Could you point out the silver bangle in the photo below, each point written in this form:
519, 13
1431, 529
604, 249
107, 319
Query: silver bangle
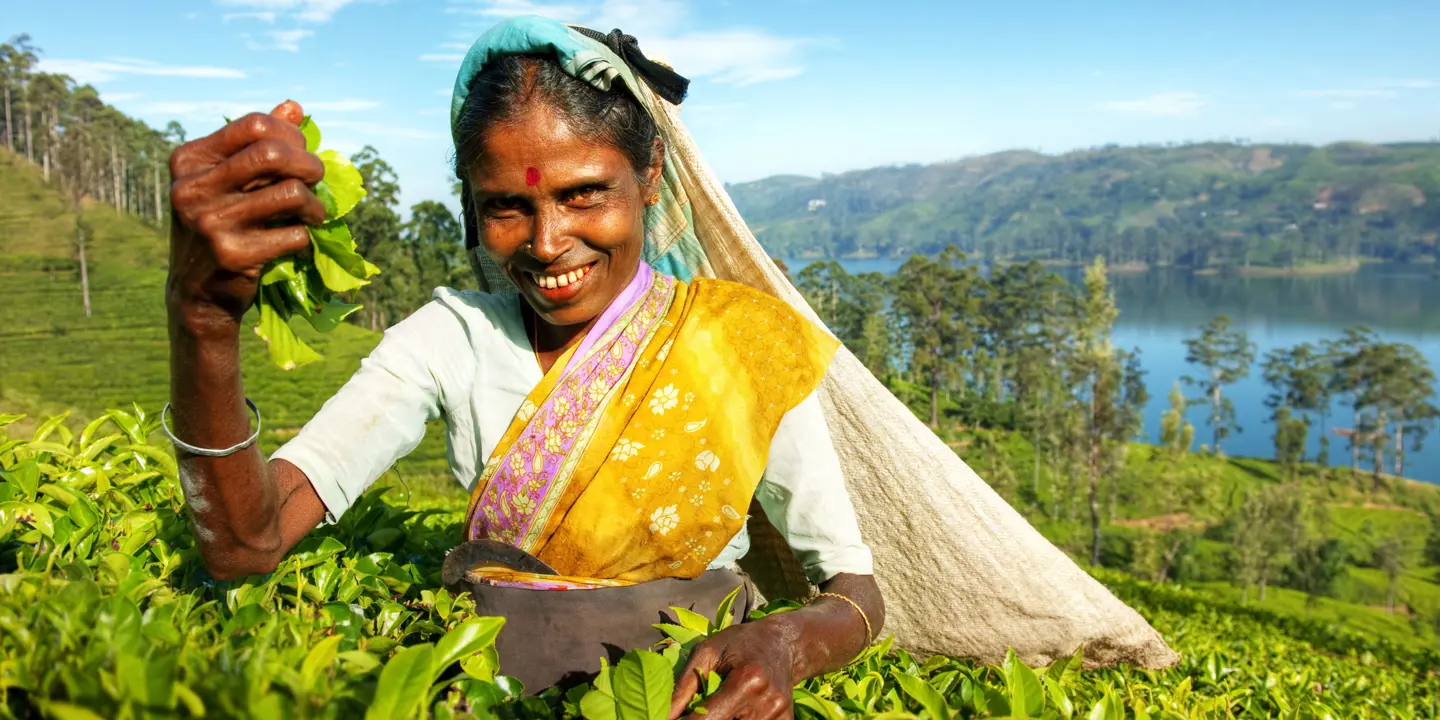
207, 452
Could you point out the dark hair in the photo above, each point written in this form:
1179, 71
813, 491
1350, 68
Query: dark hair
508, 85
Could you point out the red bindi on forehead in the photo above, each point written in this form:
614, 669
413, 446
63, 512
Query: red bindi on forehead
532, 176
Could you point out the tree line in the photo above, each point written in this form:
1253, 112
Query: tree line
1210, 206
91, 151
1020, 349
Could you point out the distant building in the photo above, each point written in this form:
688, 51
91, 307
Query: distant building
816, 203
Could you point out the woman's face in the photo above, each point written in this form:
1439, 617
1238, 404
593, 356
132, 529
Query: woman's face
561, 214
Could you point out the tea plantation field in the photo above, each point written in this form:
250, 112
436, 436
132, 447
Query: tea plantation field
106, 612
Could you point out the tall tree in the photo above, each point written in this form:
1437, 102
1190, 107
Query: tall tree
376, 226
932, 303
1100, 370
1347, 357
1225, 352
1299, 379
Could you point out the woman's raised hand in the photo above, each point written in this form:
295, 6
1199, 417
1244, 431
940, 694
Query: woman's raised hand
240, 198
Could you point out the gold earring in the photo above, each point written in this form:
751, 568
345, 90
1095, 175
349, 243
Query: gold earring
653, 199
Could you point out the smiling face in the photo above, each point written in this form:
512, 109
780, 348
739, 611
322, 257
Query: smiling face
561, 214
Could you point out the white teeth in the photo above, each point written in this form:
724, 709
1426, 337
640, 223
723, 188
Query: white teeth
551, 282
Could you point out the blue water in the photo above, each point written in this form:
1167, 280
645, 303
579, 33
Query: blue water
1159, 309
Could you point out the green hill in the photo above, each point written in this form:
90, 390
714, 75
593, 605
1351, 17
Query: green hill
54, 359
1199, 206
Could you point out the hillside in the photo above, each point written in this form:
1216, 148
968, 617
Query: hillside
54, 359
1198, 206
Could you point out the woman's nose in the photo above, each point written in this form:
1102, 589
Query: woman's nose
552, 236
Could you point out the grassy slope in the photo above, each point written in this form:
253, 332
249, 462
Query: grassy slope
53, 358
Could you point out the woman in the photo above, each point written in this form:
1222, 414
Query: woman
612, 422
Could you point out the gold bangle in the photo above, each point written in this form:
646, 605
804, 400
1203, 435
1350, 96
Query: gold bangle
869, 634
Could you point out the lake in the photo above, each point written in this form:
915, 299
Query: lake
1160, 308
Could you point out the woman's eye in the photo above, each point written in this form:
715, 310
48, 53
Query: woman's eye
585, 196
503, 207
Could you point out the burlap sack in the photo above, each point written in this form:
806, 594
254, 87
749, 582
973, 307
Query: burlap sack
962, 573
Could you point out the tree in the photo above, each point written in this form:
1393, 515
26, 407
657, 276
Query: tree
1290, 435
1317, 567
376, 226
1268, 525
1225, 353
1176, 434
934, 302
1390, 557
1107, 386
1389, 383
1349, 378
1299, 379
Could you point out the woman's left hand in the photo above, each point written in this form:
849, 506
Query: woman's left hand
755, 662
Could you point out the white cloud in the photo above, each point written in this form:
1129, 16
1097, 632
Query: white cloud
514, 8
442, 57
90, 71
1410, 84
119, 97
347, 105
286, 40
1167, 104
462, 47
383, 130
212, 110
1349, 94
734, 56
315, 11
266, 17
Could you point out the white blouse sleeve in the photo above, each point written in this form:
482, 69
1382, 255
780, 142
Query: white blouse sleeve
379, 415
804, 496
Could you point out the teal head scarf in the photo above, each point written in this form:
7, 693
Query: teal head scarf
671, 245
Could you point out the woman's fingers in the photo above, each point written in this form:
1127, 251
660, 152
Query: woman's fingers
704, 659
266, 161
289, 111
245, 253
286, 200
207, 152
745, 692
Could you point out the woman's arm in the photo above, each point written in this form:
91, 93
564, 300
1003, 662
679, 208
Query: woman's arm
240, 197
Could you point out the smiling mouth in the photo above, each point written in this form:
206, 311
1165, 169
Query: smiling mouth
557, 281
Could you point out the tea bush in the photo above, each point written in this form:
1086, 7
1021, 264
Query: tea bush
107, 612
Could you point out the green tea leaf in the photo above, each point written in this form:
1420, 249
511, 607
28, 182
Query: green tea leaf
679, 633
1108, 708
341, 268
725, 614
403, 683
343, 183
1027, 698
1059, 698
643, 684
930, 700
311, 131
692, 620
468, 638
597, 705
318, 660
286, 350
820, 706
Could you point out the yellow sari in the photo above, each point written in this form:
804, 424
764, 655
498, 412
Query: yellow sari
638, 460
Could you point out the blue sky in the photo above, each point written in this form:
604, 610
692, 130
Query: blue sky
789, 86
